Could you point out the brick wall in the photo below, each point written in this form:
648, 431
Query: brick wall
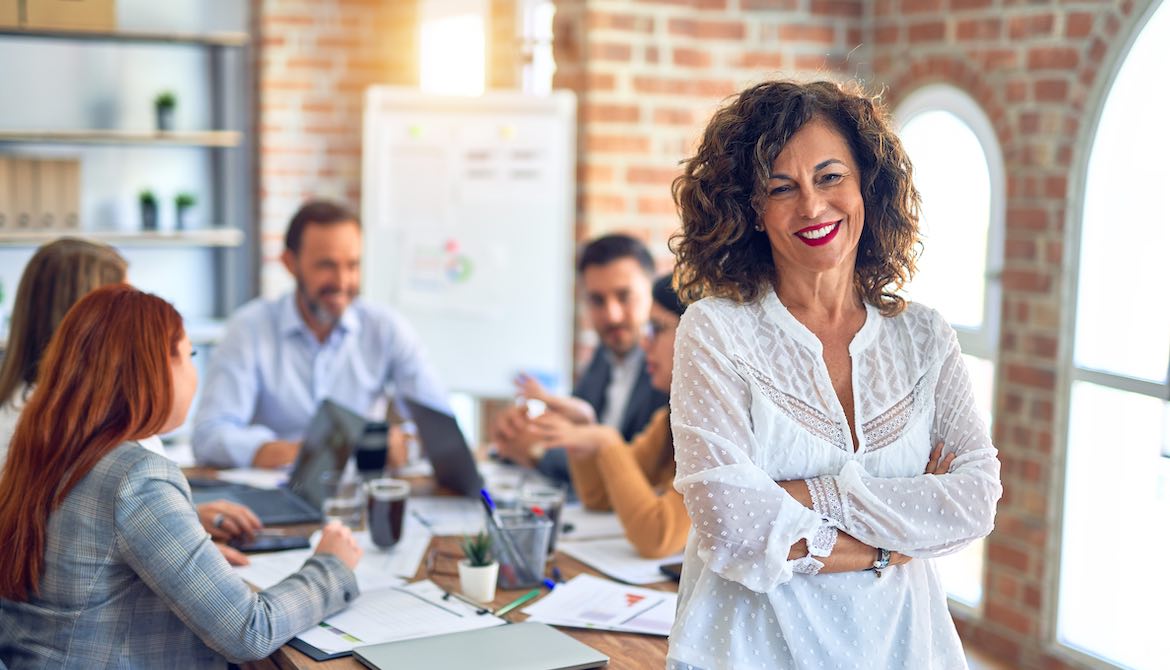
1036, 69
648, 75
316, 59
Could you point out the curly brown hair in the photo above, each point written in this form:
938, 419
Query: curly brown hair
723, 189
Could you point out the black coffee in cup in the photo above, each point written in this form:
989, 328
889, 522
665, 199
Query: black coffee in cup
386, 510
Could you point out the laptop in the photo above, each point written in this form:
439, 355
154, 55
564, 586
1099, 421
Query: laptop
329, 442
517, 646
446, 449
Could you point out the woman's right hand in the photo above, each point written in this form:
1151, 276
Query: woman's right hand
338, 540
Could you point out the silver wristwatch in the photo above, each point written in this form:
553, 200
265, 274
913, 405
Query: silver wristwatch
882, 562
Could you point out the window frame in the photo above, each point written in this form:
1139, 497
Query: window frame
1068, 372
981, 342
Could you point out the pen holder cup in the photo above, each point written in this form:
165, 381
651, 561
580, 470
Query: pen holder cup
526, 534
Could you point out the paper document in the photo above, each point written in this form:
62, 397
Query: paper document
377, 569
586, 601
577, 523
261, 478
396, 613
618, 559
447, 515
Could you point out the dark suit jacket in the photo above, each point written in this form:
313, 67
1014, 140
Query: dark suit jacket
643, 402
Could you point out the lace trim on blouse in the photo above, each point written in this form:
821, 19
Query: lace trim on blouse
799, 411
826, 498
885, 429
819, 545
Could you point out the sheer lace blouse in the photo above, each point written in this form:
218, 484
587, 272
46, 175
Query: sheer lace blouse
752, 404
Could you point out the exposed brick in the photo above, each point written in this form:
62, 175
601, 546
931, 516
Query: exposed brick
770, 5
651, 204
685, 57
606, 51
707, 29
1010, 617
674, 117
601, 203
964, 5
805, 33
759, 60
1001, 554
615, 21
1078, 25
928, 31
839, 9
608, 113
978, 29
1051, 90
1027, 375
651, 175
1030, 26
622, 144
1052, 58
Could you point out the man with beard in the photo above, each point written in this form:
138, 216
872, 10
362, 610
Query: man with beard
280, 358
615, 273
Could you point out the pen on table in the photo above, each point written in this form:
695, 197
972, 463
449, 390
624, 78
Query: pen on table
422, 520
479, 608
556, 575
518, 602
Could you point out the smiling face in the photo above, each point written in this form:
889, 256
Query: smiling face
814, 211
327, 270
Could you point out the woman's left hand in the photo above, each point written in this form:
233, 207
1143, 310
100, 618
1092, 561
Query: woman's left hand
226, 520
939, 464
234, 556
558, 431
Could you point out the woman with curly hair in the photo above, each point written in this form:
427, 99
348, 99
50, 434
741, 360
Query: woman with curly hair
808, 396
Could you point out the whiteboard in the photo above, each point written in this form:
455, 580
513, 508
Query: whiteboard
468, 211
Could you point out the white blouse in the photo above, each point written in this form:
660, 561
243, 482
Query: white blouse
752, 404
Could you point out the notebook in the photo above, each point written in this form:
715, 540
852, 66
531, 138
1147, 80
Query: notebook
519, 646
329, 441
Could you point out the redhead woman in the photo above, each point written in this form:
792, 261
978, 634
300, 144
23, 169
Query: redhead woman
57, 276
104, 562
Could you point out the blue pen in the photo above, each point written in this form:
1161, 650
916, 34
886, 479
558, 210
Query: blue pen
519, 558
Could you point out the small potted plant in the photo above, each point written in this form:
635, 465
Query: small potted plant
149, 206
164, 111
184, 202
478, 571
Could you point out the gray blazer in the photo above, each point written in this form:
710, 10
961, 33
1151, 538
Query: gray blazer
131, 580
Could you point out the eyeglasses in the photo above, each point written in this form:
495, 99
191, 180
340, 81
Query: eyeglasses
654, 329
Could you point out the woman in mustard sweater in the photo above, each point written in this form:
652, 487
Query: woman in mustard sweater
635, 479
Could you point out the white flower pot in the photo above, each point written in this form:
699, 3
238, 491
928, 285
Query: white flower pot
478, 583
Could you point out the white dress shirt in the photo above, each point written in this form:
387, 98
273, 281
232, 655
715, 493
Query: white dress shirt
269, 373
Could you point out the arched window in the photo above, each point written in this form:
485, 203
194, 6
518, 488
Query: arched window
958, 168
1116, 515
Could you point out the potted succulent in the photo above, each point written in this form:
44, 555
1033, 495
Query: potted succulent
149, 205
478, 571
164, 111
184, 202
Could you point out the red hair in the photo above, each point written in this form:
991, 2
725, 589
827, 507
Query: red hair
105, 378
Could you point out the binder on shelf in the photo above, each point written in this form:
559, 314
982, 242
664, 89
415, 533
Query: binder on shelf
23, 193
6, 212
9, 17
57, 197
71, 14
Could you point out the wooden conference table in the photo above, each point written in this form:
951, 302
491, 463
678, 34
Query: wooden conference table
625, 650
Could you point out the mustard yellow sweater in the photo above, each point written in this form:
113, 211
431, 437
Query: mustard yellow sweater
636, 481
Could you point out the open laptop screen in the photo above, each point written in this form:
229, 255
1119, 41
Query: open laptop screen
446, 448
329, 442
